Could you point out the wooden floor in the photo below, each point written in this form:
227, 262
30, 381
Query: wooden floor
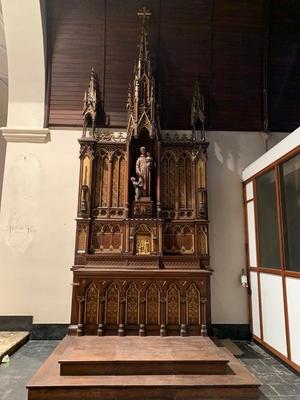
92, 367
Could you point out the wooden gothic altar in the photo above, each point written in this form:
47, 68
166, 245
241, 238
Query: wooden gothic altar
142, 257
141, 263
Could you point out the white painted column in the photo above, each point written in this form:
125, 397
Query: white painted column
26, 71
3, 73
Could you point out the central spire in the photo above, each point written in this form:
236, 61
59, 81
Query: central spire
144, 65
141, 97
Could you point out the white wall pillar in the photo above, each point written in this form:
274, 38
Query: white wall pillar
26, 70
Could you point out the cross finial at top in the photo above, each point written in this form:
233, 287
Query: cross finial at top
144, 13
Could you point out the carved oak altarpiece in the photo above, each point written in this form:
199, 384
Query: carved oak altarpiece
141, 259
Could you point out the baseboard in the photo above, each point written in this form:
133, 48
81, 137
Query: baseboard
230, 331
48, 331
16, 323
58, 331
37, 331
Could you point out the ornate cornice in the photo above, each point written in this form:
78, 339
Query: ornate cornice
25, 135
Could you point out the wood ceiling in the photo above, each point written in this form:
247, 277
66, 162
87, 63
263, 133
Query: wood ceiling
223, 43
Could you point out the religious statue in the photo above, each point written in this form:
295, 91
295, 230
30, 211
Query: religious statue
143, 246
143, 167
137, 184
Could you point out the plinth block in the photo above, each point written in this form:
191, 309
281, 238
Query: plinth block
142, 208
143, 356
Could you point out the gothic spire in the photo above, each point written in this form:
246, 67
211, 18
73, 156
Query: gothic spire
141, 98
89, 111
198, 113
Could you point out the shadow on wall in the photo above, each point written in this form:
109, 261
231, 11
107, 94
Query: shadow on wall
3, 98
2, 163
228, 154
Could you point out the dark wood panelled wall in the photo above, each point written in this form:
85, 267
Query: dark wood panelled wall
284, 65
219, 42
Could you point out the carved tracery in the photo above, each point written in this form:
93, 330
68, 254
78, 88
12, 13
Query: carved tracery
132, 305
185, 181
193, 305
168, 183
91, 304
112, 305
178, 239
153, 305
173, 305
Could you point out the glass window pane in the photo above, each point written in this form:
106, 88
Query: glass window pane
267, 220
290, 194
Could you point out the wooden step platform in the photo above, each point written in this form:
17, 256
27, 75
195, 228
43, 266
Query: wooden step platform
107, 368
142, 356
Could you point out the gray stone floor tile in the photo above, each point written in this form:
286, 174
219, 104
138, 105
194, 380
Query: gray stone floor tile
284, 398
286, 389
278, 382
269, 378
23, 364
267, 390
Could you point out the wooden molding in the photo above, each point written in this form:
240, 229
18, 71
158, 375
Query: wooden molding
26, 135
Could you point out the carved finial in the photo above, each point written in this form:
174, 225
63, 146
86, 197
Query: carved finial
90, 105
144, 13
143, 64
198, 112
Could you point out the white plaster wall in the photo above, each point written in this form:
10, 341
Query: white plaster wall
228, 154
273, 312
293, 290
255, 304
37, 228
3, 96
287, 144
3, 73
274, 138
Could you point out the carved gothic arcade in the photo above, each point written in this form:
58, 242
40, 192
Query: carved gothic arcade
141, 259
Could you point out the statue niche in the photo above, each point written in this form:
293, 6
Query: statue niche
143, 168
143, 175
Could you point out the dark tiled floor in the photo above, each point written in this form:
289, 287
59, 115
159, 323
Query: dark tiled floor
23, 364
278, 382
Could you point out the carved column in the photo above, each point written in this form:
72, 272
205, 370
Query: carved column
121, 329
109, 183
163, 330
142, 329
203, 302
176, 188
80, 300
183, 328
194, 184
100, 331
127, 238
160, 239
128, 180
158, 203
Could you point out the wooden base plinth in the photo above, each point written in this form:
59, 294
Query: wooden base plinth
151, 356
142, 208
141, 368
